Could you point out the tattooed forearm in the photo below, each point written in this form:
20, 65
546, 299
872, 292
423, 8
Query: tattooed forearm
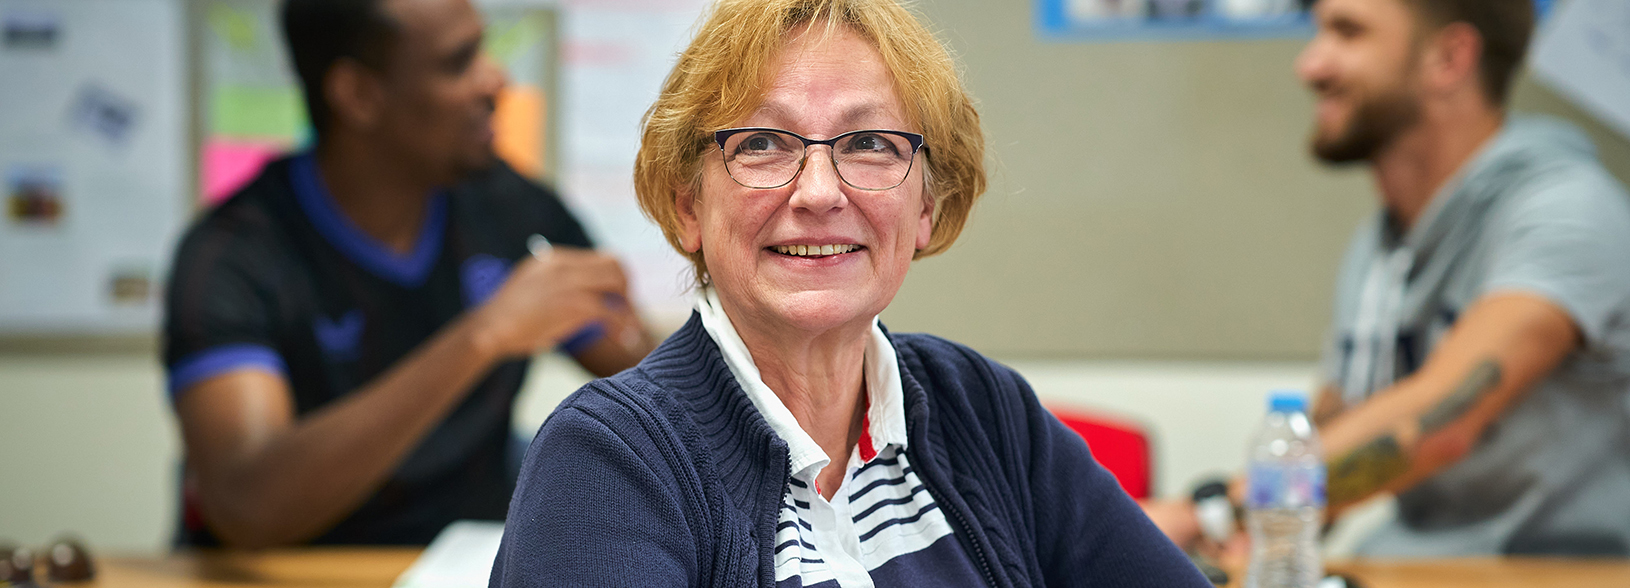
1372, 467
1366, 470
1480, 381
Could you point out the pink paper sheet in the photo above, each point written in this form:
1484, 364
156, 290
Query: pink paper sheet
228, 165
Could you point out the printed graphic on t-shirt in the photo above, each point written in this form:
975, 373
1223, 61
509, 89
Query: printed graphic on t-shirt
340, 338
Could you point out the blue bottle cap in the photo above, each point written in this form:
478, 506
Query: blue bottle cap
1287, 401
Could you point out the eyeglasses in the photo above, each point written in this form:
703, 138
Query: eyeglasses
872, 160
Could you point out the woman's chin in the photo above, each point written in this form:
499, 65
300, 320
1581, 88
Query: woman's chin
814, 312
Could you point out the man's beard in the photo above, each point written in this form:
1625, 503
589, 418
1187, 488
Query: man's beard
1373, 126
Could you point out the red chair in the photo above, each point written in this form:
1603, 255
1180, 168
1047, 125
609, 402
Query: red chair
1121, 447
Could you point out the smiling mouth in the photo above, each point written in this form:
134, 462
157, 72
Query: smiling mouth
814, 250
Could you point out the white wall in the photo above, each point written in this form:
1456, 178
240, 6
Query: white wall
1200, 414
89, 444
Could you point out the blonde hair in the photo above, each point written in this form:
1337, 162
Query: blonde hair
720, 79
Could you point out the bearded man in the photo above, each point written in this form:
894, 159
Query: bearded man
1479, 360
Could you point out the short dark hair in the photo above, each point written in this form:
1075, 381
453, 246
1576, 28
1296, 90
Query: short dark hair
1505, 25
321, 32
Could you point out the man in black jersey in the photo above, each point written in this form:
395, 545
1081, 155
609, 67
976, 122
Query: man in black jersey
346, 335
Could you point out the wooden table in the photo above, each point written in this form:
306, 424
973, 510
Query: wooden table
1481, 573
313, 567
351, 567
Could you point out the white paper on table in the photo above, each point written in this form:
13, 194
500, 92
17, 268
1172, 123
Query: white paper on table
460, 556
1584, 54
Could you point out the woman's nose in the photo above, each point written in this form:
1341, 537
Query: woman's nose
818, 187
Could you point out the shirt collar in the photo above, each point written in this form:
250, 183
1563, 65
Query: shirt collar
408, 270
1463, 190
885, 414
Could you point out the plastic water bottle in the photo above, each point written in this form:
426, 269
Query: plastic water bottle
1286, 497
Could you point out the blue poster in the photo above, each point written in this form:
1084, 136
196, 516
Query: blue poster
1114, 20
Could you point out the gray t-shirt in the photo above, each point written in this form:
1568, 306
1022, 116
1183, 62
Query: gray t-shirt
1532, 212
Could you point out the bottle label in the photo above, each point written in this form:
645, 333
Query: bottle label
1286, 486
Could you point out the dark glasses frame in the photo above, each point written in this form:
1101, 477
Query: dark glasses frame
914, 139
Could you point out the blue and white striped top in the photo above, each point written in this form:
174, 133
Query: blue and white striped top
882, 527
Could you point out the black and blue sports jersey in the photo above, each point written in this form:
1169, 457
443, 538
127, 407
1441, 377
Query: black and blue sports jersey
278, 279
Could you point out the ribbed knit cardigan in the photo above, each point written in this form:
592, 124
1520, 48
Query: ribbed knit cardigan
666, 475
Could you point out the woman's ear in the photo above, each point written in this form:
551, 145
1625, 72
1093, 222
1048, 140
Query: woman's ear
686, 207
925, 224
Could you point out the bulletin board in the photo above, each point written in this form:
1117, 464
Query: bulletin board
93, 163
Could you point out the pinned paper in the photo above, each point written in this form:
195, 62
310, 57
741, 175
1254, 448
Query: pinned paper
518, 128
235, 26
104, 114
30, 30
130, 283
34, 195
505, 41
260, 112
228, 166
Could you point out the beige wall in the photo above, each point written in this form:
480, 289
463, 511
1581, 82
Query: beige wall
1147, 199
1612, 147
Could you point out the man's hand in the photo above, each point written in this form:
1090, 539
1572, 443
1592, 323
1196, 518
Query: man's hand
547, 299
625, 343
1179, 521
1327, 405
1176, 519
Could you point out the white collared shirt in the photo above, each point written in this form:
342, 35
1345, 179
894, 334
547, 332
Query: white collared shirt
880, 513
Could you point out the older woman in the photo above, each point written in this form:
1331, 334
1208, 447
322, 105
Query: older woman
802, 153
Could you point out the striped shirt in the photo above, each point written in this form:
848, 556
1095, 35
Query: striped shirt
882, 526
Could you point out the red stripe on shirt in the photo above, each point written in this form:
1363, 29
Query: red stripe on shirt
867, 452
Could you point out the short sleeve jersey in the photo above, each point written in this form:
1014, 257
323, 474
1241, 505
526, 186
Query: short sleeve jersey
278, 279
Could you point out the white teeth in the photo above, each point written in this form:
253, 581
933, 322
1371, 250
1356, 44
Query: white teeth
813, 250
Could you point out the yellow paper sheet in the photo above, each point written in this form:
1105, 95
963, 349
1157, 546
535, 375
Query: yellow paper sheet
518, 129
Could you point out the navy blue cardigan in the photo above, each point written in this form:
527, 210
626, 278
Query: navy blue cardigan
666, 475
